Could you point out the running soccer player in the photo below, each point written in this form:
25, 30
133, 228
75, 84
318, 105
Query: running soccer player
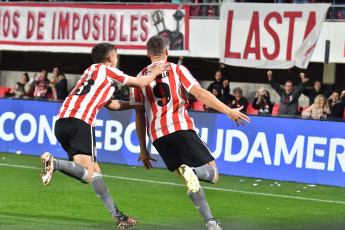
76, 122
171, 129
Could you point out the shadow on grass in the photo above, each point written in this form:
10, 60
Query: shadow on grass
10, 220
36, 221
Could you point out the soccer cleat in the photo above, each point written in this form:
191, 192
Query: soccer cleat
125, 222
190, 178
48, 168
212, 225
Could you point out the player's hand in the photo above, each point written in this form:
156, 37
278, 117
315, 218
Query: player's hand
144, 156
160, 68
237, 116
269, 74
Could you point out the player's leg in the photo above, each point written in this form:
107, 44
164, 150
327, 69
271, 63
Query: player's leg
169, 148
194, 153
207, 173
72, 169
197, 197
76, 138
102, 191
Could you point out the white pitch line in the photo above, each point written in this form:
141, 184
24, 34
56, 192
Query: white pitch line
211, 188
19, 166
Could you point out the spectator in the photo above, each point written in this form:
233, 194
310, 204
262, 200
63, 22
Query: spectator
216, 92
119, 95
18, 91
28, 89
221, 83
262, 102
205, 8
58, 84
239, 100
342, 98
225, 72
41, 87
288, 96
318, 110
22, 89
336, 106
317, 90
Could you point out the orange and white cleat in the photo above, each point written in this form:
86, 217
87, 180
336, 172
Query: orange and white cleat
125, 222
48, 168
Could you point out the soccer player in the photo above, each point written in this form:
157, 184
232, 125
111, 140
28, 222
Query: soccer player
171, 129
76, 122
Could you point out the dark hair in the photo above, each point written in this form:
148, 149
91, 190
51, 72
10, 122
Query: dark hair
27, 76
268, 94
20, 87
156, 46
336, 91
217, 87
100, 52
289, 81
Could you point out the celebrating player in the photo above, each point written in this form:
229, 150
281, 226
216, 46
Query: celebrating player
75, 126
170, 128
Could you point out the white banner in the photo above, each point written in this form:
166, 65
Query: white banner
334, 32
126, 26
275, 36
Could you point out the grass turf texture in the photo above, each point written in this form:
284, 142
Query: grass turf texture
25, 203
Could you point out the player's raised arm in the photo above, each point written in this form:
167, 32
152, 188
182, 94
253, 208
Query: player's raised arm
117, 105
210, 100
140, 82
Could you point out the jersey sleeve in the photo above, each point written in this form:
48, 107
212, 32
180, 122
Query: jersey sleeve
187, 79
136, 95
116, 76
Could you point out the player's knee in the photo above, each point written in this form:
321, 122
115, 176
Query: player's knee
215, 179
89, 177
215, 175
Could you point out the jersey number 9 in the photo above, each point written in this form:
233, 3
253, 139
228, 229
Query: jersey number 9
162, 91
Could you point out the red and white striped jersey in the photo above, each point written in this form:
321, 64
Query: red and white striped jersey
165, 101
91, 93
41, 89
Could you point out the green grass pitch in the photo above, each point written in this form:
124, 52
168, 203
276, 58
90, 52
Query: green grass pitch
68, 204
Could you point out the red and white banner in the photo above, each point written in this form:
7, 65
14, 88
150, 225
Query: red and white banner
270, 35
65, 25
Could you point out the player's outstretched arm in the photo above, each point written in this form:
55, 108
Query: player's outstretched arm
140, 82
140, 124
210, 100
116, 105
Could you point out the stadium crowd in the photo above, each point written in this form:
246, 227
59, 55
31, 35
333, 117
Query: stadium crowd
324, 102
53, 88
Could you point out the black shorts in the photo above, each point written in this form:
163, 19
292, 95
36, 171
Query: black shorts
76, 137
183, 147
